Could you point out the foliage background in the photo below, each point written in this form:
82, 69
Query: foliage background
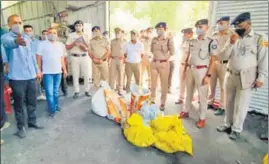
142, 14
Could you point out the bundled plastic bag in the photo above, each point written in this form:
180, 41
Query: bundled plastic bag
138, 96
116, 107
137, 133
265, 159
98, 101
149, 112
171, 135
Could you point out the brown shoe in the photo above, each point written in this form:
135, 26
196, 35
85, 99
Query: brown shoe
183, 115
179, 102
200, 124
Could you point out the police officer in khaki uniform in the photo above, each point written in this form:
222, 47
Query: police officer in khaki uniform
146, 60
202, 53
116, 67
162, 49
99, 50
220, 65
247, 69
187, 35
77, 44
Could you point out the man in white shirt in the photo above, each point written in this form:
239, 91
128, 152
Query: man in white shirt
77, 43
133, 51
50, 58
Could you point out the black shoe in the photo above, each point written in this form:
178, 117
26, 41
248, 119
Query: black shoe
75, 96
65, 94
35, 126
209, 106
87, 94
58, 109
234, 135
224, 129
21, 133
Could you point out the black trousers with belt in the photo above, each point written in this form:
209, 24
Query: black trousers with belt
3, 116
24, 91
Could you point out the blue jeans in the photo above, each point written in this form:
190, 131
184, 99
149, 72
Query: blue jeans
51, 84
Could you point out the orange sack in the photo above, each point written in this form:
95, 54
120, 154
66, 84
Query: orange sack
116, 106
138, 97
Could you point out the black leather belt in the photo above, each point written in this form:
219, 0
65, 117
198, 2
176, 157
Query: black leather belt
79, 55
223, 62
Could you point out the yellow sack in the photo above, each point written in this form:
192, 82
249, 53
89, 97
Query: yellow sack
265, 159
171, 135
137, 133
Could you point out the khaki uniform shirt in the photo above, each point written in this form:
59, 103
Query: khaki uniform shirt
117, 47
184, 49
84, 40
162, 49
248, 52
221, 41
201, 50
98, 47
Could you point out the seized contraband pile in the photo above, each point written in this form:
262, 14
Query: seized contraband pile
142, 122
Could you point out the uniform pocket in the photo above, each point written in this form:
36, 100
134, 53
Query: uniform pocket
164, 48
247, 78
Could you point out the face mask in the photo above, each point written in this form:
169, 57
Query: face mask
44, 37
78, 29
220, 27
30, 34
52, 37
118, 36
160, 33
199, 32
185, 38
240, 32
96, 34
149, 35
16, 28
133, 37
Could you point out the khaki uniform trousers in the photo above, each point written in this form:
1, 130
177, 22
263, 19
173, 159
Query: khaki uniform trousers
182, 87
130, 70
81, 65
237, 101
159, 69
217, 73
171, 73
100, 72
116, 72
145, 67
194, 79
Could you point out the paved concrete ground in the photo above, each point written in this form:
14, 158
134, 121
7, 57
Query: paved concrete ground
78, 136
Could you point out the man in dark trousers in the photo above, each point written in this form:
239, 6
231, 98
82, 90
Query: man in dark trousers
23, 73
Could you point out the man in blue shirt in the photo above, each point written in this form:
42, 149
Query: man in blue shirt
28, 30
23, 73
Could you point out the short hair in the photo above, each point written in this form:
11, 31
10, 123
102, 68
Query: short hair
52, 28
44, 31
13, 15
28, 26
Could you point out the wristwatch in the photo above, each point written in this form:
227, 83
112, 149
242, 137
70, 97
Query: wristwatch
208, 75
